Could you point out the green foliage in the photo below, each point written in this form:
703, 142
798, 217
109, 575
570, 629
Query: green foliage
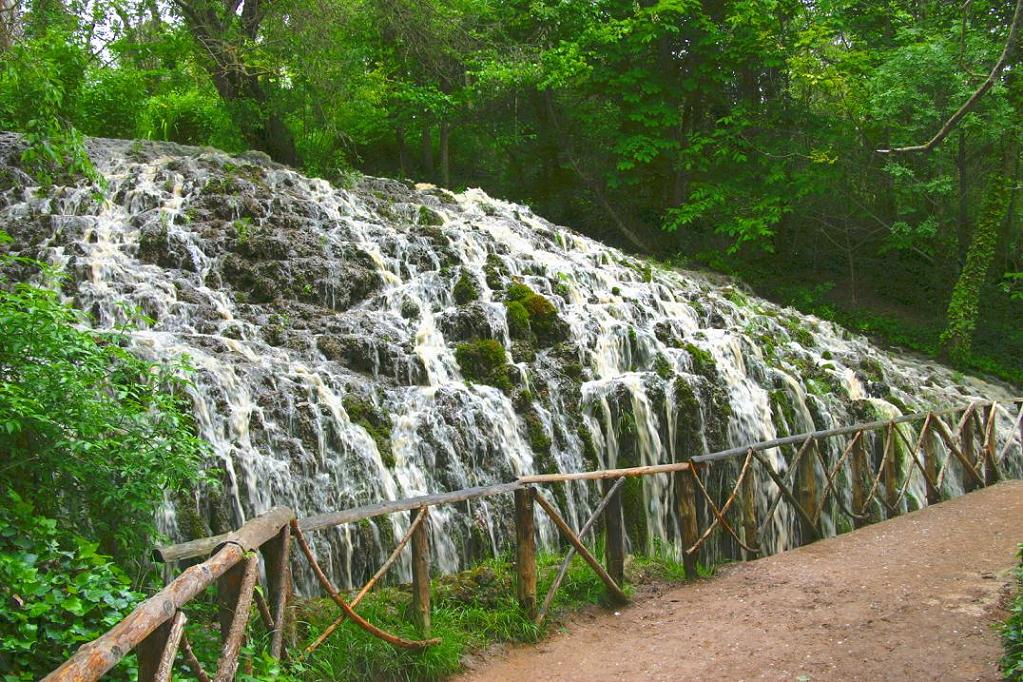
485, 362
1012, 631
56, 592
93, 434
466, 290
40, 79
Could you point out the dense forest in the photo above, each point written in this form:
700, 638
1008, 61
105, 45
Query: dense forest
786, 142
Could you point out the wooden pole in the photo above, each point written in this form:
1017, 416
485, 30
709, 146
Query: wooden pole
688, 521
858, 472
563, 569
991, 473
234, 635
276, 554
966, 446
930, 463
749, 512
573, 539
808, 494
891, 483
157, 651
329, 588
525, 551
421, 571
614, 534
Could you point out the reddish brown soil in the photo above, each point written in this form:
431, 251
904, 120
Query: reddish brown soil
915, 598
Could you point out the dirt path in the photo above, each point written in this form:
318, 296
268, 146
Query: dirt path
910, 599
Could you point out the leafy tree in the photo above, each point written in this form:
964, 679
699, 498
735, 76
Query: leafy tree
93, 434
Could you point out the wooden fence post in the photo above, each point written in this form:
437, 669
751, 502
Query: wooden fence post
991, 474
930, 464
891, 483
156, 652
749, 511
525, 555
690, 524
421, 572
276, 555
859, 482
228, 590
808, 493
969, 454
614, 534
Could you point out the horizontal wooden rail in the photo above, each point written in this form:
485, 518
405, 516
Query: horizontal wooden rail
156, 628
95, 658
841, 431
203, 546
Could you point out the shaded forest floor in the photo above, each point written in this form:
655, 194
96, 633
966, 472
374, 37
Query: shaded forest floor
915, 598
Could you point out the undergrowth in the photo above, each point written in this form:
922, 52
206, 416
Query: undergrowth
470, 611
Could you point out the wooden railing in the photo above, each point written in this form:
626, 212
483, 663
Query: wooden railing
156, 629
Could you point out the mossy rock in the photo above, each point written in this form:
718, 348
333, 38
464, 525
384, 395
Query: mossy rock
518, 320
376, 423
663, 367
703, 361
546, 327
466, 290
485, 362
427, 216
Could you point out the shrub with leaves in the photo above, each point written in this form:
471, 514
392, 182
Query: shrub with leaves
56, 592
92, 434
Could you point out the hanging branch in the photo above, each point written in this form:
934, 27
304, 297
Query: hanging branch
992, 78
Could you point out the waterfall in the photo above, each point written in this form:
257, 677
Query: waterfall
323, 324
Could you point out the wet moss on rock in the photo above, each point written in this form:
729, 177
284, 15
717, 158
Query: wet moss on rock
484, 362
518, 320
376, 423
466, 290
427, 216
546, 326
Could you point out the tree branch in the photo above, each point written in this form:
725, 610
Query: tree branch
992, 78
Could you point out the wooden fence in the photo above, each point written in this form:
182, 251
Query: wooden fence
156, 629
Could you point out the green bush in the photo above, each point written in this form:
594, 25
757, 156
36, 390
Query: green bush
56, 592
484, 362
94, 435
1012, 632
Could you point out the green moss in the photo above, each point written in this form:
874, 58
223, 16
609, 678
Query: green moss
465, 290
538, 438
616, 291
633, 337
485, 362
494, 272
737, 297
376, 423
799, 334
517, 291
663, 367
428, 216
518, 320
703, 361
590, 457
543, 319
544, 324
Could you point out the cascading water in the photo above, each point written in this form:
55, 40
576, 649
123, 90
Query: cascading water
324, 323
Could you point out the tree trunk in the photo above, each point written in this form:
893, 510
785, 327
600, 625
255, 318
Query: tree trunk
427, 153
964, 305
399, 133
445, 170
963, 223
262, 127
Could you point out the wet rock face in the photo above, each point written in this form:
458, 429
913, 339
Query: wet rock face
385, 341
